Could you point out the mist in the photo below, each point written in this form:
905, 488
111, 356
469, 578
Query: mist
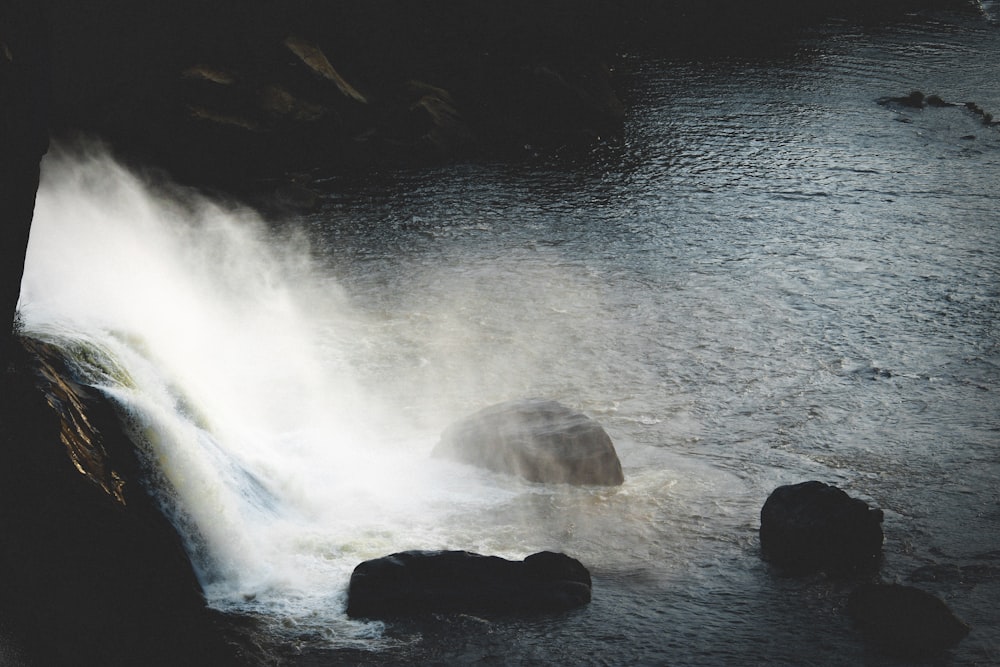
287, 430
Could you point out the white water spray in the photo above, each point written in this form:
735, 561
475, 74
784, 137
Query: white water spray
259, 393
229, 351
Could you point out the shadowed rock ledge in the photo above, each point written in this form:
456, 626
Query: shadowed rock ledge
93, 573
236, 92
223, 92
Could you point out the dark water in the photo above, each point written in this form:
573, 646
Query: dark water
771, 278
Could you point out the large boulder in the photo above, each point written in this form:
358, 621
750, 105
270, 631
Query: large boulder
421, 582
814, 526
540, 440
904, 620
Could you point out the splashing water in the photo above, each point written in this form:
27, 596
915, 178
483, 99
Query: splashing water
227, 350
774, 279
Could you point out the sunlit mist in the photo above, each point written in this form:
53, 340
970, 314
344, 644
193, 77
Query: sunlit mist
206, 327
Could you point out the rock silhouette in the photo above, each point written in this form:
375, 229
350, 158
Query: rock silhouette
412, 583
814, 526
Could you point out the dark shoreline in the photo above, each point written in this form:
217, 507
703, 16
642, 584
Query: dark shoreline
249, 97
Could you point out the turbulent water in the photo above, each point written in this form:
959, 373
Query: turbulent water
770, 278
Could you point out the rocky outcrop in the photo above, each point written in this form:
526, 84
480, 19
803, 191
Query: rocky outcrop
917, 100
814, 526
413, 583
24, 138
93, 573
904, 620
239, 91
539, 440
227, 92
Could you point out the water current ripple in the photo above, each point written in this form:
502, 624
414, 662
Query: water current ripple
770, 278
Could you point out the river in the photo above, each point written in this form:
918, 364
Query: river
769, 278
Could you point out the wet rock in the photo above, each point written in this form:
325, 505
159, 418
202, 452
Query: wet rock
984, 116
316, 60
915, 100
540, 440
814, 526
424, 120
904, 620
420, 582
92, 572
234, 93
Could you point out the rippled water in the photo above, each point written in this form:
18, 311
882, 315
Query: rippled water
772, 278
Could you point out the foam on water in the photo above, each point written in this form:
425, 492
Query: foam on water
772, 279
215, 338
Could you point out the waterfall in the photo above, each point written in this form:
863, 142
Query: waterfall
234, 361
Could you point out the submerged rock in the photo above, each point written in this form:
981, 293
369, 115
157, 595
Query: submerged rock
419, 582
814, 526
540, 440
915, 100
904, 620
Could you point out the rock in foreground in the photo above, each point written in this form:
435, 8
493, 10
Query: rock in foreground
540, 440
813, 526
420, 582
904, 620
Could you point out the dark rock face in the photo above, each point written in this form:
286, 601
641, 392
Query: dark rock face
915, 100
904, 620
24, 138
813, 526
420, 582
236, 90
92, 572
540, 440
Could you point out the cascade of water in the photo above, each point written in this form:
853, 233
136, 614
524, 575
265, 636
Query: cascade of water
229, 353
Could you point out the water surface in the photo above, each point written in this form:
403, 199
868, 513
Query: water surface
770, 278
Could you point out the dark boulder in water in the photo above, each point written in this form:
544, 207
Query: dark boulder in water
540, 440
814, 526
915, 100
904, 620
412, 583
